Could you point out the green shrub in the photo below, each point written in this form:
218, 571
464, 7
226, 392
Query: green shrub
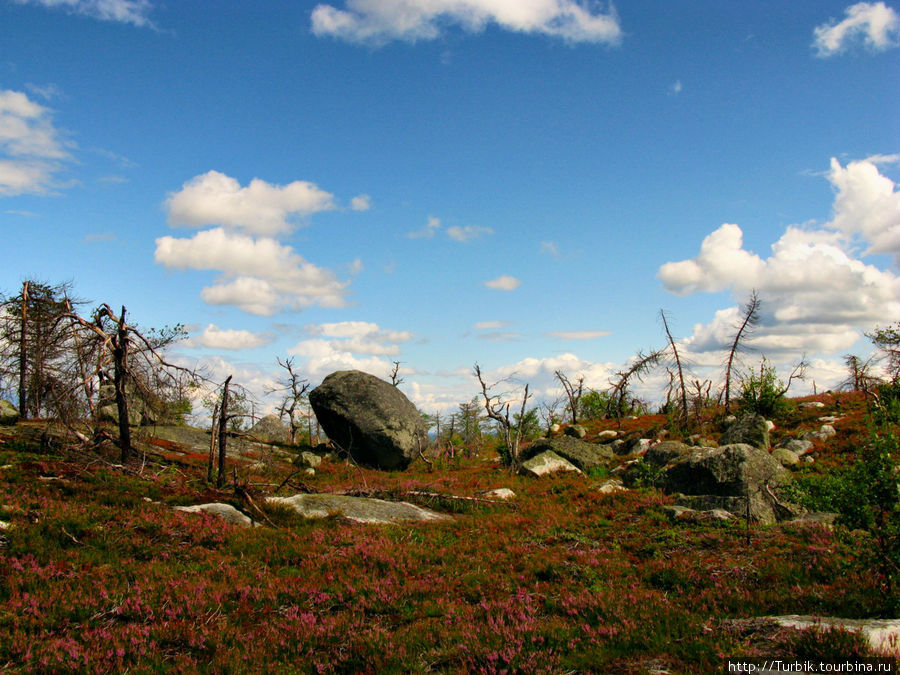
763, 392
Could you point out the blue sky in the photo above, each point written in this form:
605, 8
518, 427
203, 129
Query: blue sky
518, 184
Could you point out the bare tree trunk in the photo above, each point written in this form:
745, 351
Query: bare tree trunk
751, 314
223, 433
22, 353
684, 408
120, 373
212, 444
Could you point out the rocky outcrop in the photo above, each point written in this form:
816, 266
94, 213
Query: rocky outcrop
8, 413
360, 509
138, 412
575, 431
547, 463
270, 429
224, 511
370, 419
727, 477
666, 451
751, 429
585, 456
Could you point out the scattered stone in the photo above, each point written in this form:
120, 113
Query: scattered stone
606, 435
684, 514
620, 447
360, 509
819, 518
225, 511
883, 635
785, 457
809, 459
812, 404
751, 429
641, 446
730, 419
830, 419
270, 429
4, 525
797, 446
369, 418
500, 493
585, 456
726, 477
546, 463
554, 428
575, 431
700, 441
308, 459
826, 431
9, 415
309, 471
770, 425
611, 486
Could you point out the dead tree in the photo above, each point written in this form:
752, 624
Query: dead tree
396, 380
23, 358
293, 389
749, 319
678, 366
498, 410
618, 394
223, 432
573, 392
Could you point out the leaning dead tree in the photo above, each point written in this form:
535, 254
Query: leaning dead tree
618, 394
573, 392
680, 371
748, 319
498, 410
293, 390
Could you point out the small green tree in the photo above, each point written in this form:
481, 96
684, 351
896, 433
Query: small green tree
763, 392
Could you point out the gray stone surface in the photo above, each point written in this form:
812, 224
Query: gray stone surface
575, 431
370, 419
547, 463
883, 635
360, 509
750, 429
586, 456
270, 429
785, 457
666, 451
225, 511
8, 413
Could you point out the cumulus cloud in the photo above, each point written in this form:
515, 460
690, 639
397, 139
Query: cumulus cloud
873, 24
259, 208
31, 152
260, 276
134, 12
467, 233
817, 295
214, 337
380, 21
427, 232
349, 338
503, 283
361, 203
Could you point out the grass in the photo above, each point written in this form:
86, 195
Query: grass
100, 574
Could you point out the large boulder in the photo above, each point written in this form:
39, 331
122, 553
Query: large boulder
8, 413
666, 451
546, 463
751, 429
370, 419
585, 456
726, 477
108, 411
270, 429
224, 511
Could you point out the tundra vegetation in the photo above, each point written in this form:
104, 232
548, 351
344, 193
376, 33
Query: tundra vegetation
99, 573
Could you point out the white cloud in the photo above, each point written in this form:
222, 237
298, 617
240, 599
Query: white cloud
260, 208
578, 334
550, 248
326, 356
427, 232
467, 233
867, 204
486, 325
214, 337
503, 283
500, 336
676, 87
817, 296
356, 267
260, 276
874, 24
351, 337
380, 21
134, 12
361, 203
31, 151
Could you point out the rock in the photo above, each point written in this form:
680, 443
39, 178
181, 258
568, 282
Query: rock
750, 429
785, 457
798, 447
883, 635
546, 463
225, 511
360, 509
830, 419
107, 410
812, 404
825, 431
369, 418
620, 447
606, 435
820, 518
270, 429
770, 425
500, 493
554, 428
611, 486
575, 431
700, 441
585, 456
724, 478
666, 451
308, 459
8, 413
684, 514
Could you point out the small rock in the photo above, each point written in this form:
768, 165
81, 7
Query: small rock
309, 459
554, 428
684, 514
607, 435
4, 525
309, 471
575, 431
883, 635
825, 432
225, 511
547, 463
798, 447
611, 486
500, 493
829, 419
820, 518
812, 404
809, 459
9, 415
770, 425
360, 509
786, 457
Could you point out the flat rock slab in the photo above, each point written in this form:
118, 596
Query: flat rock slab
360, 509
225, 511
546, 463
883, 634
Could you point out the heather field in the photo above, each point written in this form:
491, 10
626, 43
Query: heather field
98, 573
